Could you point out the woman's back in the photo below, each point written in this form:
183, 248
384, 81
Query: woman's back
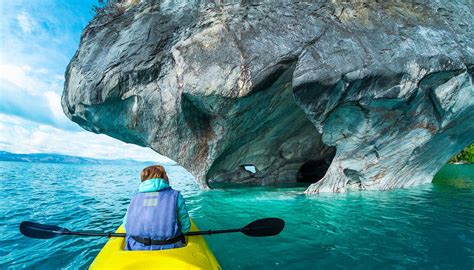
156, 217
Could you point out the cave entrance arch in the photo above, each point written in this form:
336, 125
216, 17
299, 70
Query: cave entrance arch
312, 171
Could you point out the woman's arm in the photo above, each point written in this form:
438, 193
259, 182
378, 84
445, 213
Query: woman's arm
124, 221
183, 217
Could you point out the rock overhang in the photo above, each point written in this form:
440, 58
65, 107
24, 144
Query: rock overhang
216, 87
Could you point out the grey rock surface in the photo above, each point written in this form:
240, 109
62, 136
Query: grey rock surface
383, 92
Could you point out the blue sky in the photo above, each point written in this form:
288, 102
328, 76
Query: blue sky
37, 41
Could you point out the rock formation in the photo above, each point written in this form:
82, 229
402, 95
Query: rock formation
383, 92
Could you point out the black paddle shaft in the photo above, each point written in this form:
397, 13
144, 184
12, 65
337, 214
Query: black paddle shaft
93, 233
209, 232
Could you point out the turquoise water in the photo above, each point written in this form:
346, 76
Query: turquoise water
425, 227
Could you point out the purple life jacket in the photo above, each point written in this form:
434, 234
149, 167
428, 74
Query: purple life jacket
152, 215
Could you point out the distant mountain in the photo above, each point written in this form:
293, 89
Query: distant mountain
58, 158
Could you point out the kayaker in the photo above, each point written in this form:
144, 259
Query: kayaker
157, 216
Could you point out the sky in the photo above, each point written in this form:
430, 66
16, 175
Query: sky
37, 41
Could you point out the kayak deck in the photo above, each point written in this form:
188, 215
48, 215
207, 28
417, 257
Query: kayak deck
194, 255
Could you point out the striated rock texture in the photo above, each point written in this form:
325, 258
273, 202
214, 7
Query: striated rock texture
383, 92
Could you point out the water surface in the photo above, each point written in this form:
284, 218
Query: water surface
425, 227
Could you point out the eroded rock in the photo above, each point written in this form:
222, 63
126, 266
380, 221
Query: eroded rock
216, 86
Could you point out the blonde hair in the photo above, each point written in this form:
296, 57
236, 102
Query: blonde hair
154, 171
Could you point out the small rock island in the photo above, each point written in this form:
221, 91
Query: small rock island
361, 96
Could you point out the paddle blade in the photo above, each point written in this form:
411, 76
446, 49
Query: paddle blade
264, 227
40, 231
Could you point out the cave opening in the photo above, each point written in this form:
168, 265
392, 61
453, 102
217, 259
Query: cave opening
250, 168
312, 171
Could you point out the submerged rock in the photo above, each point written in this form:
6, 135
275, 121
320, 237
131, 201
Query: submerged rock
380, 91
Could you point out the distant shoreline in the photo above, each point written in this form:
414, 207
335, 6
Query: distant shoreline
66, 159
64, 163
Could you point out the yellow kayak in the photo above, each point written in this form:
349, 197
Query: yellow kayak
194, 255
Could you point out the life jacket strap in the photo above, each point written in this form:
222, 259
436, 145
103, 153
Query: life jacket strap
149, 241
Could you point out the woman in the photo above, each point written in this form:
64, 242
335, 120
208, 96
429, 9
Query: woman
157, 216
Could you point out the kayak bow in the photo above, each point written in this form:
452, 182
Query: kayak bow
194, 255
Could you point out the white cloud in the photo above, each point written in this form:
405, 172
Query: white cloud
54, 104
22, 136
26, 22
32, 80
32, 94
15, 75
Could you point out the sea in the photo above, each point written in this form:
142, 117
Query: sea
429, 226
